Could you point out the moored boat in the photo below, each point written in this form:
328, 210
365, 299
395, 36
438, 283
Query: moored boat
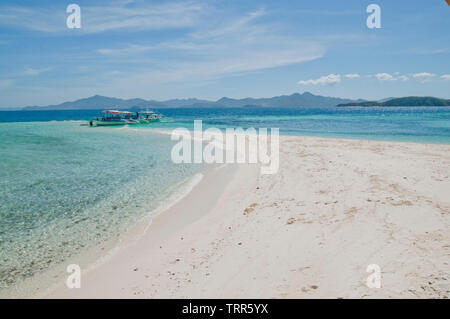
147, 117
111, 118
117, 118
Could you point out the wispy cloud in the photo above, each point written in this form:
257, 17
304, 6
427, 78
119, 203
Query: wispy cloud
114, 16
326, 80
426, 51
234, 45
233, 26
213, 43
129, 50
445, 77
37, 19
143, 17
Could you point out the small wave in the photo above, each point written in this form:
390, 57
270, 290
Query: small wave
182, 190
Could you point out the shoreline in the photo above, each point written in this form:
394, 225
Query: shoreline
158, 224
40, 284
335, 207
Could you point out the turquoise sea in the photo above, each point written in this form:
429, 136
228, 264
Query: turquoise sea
65, 188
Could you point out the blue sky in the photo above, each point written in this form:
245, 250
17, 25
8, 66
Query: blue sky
210, 49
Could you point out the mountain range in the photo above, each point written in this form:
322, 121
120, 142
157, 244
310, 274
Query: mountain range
306, 99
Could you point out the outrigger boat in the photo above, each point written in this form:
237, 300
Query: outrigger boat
110, 118
115, 118
147, 117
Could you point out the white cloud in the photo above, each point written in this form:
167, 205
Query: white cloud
445, 76
391, 77
352, 76
330, 79
384, 77
423, 77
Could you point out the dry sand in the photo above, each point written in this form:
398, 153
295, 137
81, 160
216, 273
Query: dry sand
309, 231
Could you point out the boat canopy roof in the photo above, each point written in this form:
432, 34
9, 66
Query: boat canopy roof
116, 112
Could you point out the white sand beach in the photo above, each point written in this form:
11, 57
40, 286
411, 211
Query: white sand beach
334, 207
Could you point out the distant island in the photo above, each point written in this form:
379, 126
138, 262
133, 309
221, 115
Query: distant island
306, 99
403, 101
295, 100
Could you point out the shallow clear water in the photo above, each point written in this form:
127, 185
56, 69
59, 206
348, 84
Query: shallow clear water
66, 187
